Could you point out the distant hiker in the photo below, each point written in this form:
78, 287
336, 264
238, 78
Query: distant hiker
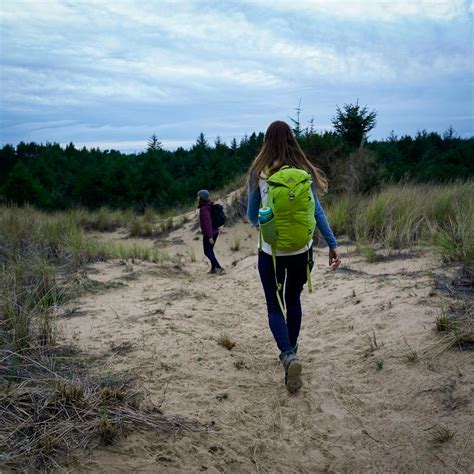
283, 202
210, 228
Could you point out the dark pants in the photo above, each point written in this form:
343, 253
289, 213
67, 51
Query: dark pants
291, 272
209, 251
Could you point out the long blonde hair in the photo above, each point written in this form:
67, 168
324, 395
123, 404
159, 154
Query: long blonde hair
281, 148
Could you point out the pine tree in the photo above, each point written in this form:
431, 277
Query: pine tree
354, 122
22, 188
296, 122
201, 142
154, 143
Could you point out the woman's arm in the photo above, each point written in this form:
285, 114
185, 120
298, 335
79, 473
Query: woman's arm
322, 222
253, 201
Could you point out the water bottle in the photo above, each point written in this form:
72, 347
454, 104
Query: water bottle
268, 230
265, 214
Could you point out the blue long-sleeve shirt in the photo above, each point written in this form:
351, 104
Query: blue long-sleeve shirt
253, 205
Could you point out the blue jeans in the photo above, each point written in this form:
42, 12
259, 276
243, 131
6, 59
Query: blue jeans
209, 251
291, 274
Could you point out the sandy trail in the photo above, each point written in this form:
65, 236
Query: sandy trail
162, 325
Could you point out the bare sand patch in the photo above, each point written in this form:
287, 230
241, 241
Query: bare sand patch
364, 407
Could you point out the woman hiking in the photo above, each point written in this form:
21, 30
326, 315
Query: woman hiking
282, 185
209, 233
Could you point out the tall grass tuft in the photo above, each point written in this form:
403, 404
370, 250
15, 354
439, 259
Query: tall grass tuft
140, 227
403, 215
454, 237
102, 220
28, 291
341, 214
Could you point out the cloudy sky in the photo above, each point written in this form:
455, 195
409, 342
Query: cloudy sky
111, 73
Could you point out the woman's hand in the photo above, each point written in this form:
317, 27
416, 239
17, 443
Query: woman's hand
211, 241
334, 258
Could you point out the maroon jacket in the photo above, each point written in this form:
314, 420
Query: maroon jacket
205, 220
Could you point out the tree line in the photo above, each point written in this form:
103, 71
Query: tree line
53, 177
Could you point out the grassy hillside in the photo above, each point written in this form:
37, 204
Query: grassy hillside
404, 215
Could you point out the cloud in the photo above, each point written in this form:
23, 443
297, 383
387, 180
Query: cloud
375, 10
223, 65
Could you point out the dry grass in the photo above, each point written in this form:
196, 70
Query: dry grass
456, 320
404, 215
456, 324
442, 321
373, 343
411, 356
236, 243
226, 342
60, 237
140, 228
49, 407
48, 416
441, 434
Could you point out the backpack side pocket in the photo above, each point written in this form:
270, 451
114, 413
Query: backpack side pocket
269, 231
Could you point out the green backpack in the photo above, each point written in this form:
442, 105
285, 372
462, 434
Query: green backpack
293, 224
291, 199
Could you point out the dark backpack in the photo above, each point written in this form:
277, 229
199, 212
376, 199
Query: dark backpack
217, 215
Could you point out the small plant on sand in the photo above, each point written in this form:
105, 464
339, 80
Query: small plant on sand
68, 391
235, 247
442, 321
226, 342
369, 253
239, 364
373, 343
442, 434
411, 356
107, 430
379, 364
200, 295
178, 259
121, 348
354, 297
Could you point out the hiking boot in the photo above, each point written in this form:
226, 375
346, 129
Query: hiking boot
292, 367
219, 271
212, 271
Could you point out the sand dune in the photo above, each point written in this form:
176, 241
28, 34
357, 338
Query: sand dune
364, 406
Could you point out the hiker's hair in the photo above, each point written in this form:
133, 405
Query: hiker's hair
281, 148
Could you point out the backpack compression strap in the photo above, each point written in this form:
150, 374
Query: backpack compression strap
279, 286
308, 274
